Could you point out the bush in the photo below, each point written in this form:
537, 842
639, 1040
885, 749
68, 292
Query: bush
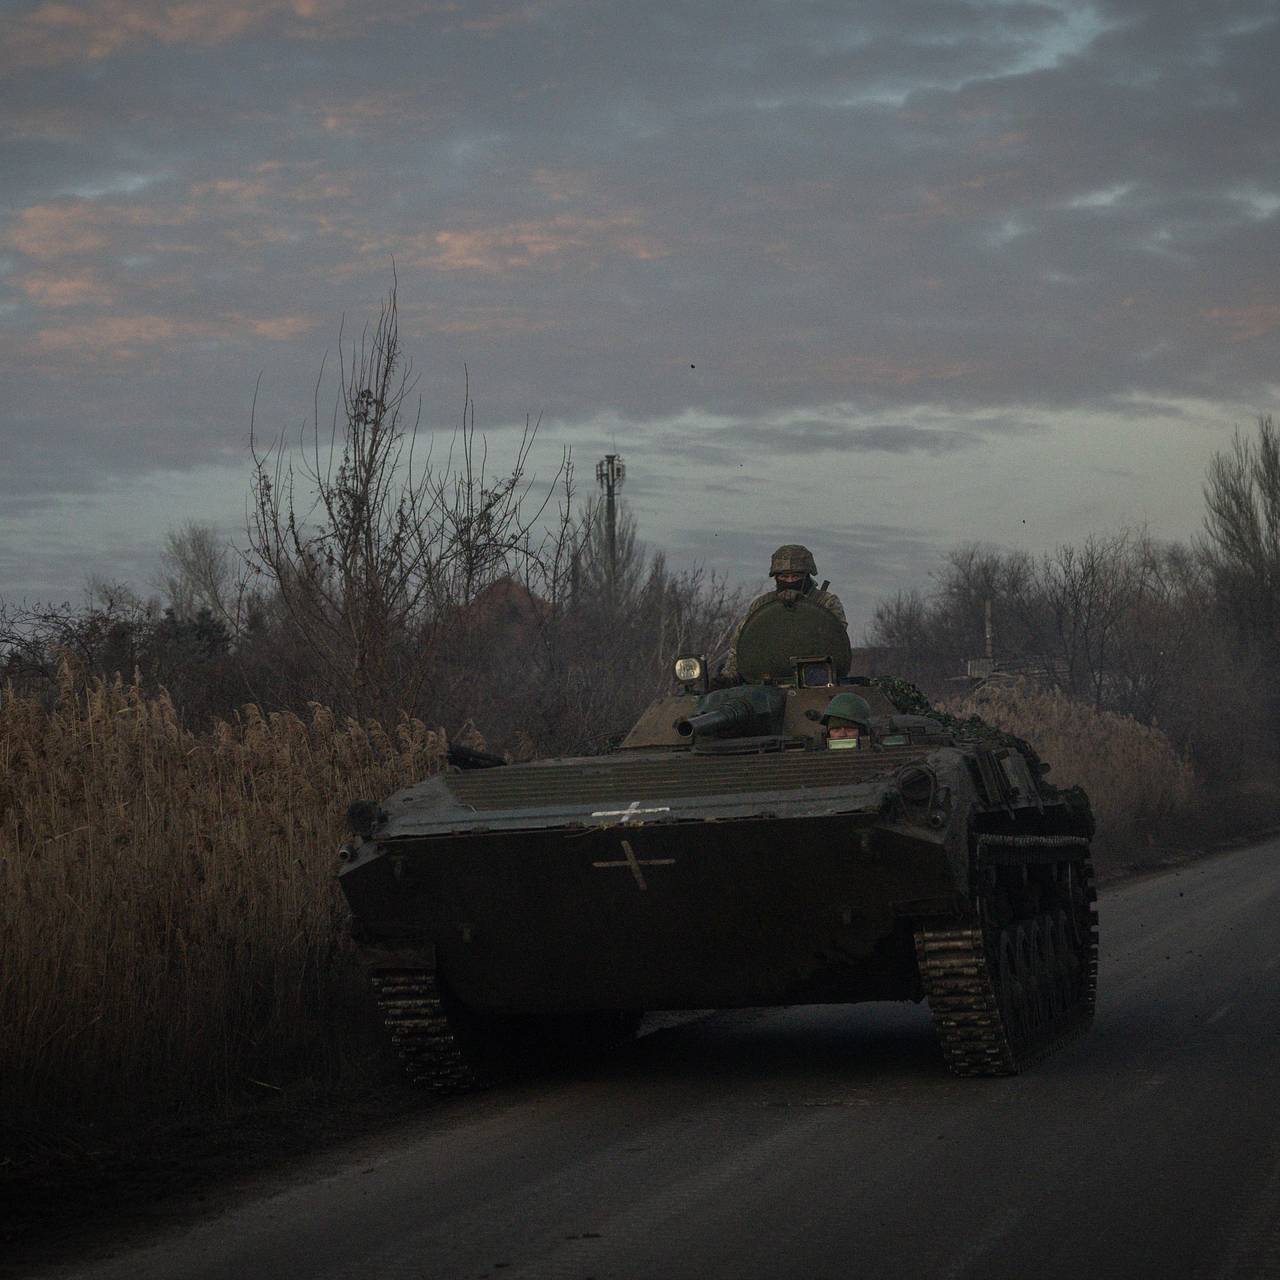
1132, 773
170, 924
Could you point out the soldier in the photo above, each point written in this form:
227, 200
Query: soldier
792, 569
848, 721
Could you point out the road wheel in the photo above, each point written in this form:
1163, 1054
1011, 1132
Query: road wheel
1009, 990
1038, 979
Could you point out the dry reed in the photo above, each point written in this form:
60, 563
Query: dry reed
171, 927
1132, 773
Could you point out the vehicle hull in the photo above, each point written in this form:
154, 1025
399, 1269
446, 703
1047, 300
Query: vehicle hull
502, 910
663, 915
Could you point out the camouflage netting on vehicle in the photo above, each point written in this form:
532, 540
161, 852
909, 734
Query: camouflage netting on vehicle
909, 700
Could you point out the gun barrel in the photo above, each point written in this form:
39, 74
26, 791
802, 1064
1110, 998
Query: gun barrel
734, 715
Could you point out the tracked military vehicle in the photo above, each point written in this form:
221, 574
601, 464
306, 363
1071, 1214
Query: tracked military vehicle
732, 853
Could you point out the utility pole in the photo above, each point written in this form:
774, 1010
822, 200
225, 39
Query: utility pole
610, 473
979, 669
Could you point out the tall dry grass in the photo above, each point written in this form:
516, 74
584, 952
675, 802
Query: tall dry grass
1131, 771
170, 926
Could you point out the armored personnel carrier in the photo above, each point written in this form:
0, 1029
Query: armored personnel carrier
733, 851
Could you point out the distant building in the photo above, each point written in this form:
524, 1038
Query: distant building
505, 605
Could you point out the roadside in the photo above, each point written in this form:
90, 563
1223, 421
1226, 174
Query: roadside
1218, 823
65, 1194
63, 1200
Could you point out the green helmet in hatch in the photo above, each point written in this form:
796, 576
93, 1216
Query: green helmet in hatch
848, 720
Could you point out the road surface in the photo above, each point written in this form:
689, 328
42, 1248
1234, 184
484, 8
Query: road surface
831, 1142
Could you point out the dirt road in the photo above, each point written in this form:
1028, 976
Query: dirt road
831, 1142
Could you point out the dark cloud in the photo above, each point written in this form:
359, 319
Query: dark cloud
949, 219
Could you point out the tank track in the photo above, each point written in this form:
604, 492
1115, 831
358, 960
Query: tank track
414, 1012
1004, 995
448, 1048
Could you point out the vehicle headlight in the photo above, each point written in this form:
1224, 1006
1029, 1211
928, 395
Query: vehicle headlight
688, 670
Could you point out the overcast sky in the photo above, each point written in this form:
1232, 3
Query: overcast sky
881, 276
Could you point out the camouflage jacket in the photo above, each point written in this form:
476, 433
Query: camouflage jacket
827, 599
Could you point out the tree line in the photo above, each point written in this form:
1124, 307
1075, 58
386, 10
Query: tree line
387, 572
1184, 636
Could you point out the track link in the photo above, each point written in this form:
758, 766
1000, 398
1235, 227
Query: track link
1004, 997
414, 1013
449, 1048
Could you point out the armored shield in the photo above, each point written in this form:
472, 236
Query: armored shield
786, 628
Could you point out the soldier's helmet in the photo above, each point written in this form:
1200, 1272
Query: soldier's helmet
792, 558
848, 707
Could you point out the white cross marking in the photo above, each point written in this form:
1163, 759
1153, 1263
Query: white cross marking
636, 863
630, 811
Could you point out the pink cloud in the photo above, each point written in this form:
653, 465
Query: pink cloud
280, 328
123, 337
275, 181
529, 243
482, 319
119, 335
56, 289
1243, 323
54, 230
232, 190
271, 204
353, 119
75, 227
489, 23
91, 30
643, 248
518, 245
409, 114
561, 185
486, 17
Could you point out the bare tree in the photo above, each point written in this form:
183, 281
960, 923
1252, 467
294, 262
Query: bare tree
375, 552
115, 632
931, 636
1242, 532
906, 626
200, 569
1159, 640
576, 678
1087, 591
